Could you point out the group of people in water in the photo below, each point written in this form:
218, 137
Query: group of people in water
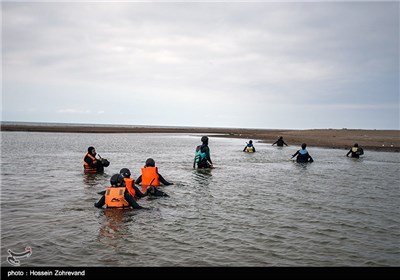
303, 155
124, 191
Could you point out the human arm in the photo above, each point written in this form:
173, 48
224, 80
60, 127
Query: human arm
310, 159
132, 202
138, 193
101, 202
92, 163
348, 153
155, 192
295, 154
138, 180
163, 181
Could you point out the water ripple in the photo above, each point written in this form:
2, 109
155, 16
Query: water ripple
256, 209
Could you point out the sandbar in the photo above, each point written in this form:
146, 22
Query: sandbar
378, 140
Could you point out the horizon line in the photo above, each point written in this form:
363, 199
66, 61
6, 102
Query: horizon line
172, 126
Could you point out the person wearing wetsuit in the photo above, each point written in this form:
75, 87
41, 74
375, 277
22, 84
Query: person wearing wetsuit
303, 155
202, 155
150, 172
134, 191
280, 142
93, 165
130, 184
355, 151
117, 195
249, 147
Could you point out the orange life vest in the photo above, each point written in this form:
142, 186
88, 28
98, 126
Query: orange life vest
129, 183
86, 167
115, 197
148, 174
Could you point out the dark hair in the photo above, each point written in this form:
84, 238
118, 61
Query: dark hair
150, 162
90, 149
303, 146
204, 139
355, 145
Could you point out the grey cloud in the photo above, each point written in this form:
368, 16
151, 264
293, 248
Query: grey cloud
272, 53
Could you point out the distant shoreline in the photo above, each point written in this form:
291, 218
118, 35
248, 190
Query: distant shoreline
378, 140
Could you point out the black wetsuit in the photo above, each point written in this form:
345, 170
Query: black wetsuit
303, 156
138, 193
357, 153
205, 162
279, 143
153, 190
132, 202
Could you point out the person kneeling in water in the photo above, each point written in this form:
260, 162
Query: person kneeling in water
134, 191
117, 195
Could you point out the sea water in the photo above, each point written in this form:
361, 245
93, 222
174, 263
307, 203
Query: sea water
253, 209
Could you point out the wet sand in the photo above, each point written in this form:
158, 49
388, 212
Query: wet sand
378, 140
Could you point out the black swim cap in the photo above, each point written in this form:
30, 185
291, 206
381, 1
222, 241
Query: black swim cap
251, 141
150, 162
125, 172
90, 149
204, 139
117, 180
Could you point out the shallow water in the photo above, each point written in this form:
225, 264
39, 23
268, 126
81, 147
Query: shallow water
258, 209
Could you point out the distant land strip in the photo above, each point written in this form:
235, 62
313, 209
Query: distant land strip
378, 140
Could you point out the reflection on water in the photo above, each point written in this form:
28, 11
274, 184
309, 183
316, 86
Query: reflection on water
94, 179
115, 225
253, 209
202, 176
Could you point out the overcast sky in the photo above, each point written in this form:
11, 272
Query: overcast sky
251, 65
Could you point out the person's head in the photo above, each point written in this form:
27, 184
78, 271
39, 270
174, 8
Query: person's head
355, 145
91, 150
251, 142
303, 146
117, 180
280, 137
125, 172
204, 139
150, 162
